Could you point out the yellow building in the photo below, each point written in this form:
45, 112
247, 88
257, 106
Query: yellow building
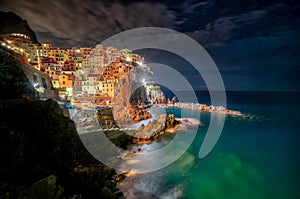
57, 54
55, 83
54, 75
108, 86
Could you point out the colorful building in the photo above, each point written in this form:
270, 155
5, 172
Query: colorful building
90, 85
108, 87
66, 82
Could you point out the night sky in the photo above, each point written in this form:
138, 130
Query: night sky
255, 43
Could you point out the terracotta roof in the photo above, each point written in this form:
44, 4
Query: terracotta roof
93, 75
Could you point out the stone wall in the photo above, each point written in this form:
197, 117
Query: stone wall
39, 79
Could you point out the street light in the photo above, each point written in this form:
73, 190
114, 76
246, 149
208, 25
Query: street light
139, 63
128, 59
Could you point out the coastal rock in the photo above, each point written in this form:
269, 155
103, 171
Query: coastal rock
154, 128
137, 115
171, 122
106, 119
130, 114
131, 92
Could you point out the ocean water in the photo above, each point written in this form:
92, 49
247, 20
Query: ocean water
254, 158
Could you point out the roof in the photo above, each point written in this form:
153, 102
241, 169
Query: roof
94, 75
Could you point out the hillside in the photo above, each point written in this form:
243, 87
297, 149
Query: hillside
41, 153
12, 23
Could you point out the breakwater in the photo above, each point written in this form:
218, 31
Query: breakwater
204, 107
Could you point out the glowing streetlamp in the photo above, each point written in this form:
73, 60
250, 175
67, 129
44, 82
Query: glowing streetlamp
139, 63
128, 59
144, 81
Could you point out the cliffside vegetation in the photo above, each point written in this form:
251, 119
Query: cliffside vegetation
13, 82
41, 153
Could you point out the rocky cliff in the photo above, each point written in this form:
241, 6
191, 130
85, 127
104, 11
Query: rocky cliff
131, 92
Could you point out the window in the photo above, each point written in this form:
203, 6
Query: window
44, 83
64, 82
35, 78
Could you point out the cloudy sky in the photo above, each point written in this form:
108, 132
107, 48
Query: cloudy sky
255, 44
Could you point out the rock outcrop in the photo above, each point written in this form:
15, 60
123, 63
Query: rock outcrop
155, 128
106, 119
171, 122
131, 92
137, 114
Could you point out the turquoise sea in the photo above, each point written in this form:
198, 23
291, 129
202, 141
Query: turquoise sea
254, 158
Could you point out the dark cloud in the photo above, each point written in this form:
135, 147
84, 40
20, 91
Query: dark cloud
209, 22
259, 62
87, 21
251, 41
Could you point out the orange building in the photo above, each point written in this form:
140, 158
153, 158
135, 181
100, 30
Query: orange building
117, 69
66, 81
